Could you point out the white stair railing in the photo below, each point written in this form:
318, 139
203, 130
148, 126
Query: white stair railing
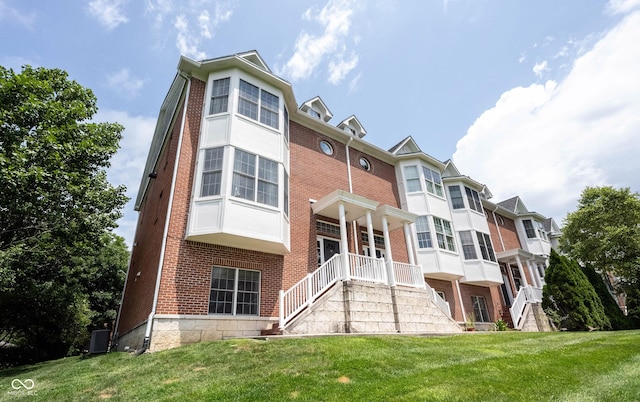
303, 293
526, 295
367, 269
440, 302
408, 275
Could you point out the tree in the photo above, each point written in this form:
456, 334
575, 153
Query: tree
612, 310
604, 233
569, 295
55, 206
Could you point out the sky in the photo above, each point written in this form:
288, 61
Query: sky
537, 99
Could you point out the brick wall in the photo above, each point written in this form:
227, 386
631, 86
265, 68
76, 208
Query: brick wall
508, 232
145, 255
313, 175
493, 305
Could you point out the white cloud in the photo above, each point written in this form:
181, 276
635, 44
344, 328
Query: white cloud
187, 43
108, 12
548, 142
12, 14
195, 22
311, 50
622, 6
540, 68
128, 164
340, 68
123, 83
16, 62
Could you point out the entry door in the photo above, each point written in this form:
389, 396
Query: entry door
507, 294
327, 248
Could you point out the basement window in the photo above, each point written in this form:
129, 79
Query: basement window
234, 291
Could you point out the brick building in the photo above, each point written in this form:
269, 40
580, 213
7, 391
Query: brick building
257, 214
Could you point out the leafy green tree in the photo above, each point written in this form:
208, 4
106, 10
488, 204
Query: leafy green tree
612, 310
569, 295
604, 233
55, 206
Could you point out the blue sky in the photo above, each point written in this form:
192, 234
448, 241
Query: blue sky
537, 99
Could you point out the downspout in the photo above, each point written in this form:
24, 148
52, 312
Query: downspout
147, 332
498, 227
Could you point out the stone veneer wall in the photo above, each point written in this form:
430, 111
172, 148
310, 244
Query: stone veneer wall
360, 307
535, 320
132, 339
173, 330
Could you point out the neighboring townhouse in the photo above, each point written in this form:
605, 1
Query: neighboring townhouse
522, 248
259, 216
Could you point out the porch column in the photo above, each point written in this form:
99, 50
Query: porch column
344, 245
533, 273
524, 277
372, 239
407, 239
387, 247
464, 314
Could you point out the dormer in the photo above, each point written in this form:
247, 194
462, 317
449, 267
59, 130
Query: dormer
352, 126
315, 107
405, 147
254, 58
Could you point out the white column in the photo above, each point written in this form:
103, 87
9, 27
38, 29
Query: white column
387, 249
464, 314
524, 277
408, 239
344, 245
533, 275
372, 239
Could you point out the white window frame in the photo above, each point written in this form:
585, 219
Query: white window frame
422, 228
257, 176
473, 198
412, 178
250, 104
444, 234
529, 231
457, 200
220, 89
468, 245
480, 309
433, 181
235, 292
486, 248
208, 170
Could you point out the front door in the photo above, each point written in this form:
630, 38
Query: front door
327, 248
507, 294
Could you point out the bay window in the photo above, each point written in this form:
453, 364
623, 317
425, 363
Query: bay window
258, 104
212, 172
424, 234
219, 96
260, 186
444, 234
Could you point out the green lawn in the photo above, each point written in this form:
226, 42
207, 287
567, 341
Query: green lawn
507, 366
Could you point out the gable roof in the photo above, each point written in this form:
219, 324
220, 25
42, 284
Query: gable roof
318, 104
406, 146
353, 123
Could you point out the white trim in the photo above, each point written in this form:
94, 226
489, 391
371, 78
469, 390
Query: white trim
147, 333
214, 317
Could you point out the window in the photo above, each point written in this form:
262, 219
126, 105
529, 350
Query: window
378, 240
455, 194
541, 232
444, 234
234, 291
424, 234
286, 124
413, 178
212, 172
364, 163
269, 109
245, 184
314, 113
286, 194
433, 181
219, 96
528, 229
486, 249
328, 228
474, 199
251, 96
480, 309
326, 147
468, 247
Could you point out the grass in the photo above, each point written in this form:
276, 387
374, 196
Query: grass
512, 366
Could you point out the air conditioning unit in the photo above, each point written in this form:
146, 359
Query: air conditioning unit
99, 341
